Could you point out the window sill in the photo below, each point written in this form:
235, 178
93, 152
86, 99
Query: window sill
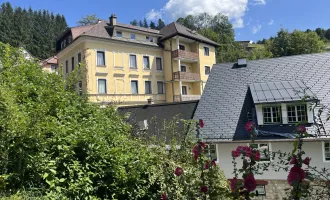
146, 70
101, 66
118, 67
160, 70
133, 69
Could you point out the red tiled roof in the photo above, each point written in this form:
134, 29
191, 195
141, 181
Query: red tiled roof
77, 31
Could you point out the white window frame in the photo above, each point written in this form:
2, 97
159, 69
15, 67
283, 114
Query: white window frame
323, 151
129, 61
134, 36
103, 57
163, 85
207, 150
106, 86
161, 61
121, 34
137, 86
270, 150
272, 116
150, 87
205, 70
296, 112
148, 57
205, 51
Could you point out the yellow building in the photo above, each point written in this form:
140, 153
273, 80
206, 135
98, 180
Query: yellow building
129, 64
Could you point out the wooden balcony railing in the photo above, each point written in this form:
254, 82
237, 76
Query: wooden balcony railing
185, 55
188, 76
178, 98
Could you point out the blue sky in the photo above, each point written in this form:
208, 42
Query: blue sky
253, 19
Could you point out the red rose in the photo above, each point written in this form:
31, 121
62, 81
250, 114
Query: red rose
214, 162
250, 183
178, 171
257, 155
301, 129
293, 161
207, 165
307, 160
204, 189
203, 144
239, 148
235, 153
249, 126
201, 123
248, 152
296, 175
164, 197
233, 183
198, 149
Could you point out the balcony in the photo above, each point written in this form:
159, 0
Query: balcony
185, 55
187, 76
126, 98
178, 98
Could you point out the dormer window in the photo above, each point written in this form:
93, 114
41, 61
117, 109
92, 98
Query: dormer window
119, 34
272, 114
297, 113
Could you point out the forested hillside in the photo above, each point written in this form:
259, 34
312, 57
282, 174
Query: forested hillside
35, 30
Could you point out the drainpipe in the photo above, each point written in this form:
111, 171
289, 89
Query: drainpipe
172, 81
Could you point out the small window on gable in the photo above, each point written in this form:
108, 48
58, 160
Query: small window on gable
149, 39
264, 150
207, 70
182, 47
206, 51
272, 114
183, 68
133, 36
119, 34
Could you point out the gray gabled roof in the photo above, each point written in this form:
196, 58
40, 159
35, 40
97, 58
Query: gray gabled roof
223, 105
280, 91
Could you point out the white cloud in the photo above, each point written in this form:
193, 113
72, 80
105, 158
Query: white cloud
256, 29
153, 14
271, 22
233, 9
258, 2
249, 22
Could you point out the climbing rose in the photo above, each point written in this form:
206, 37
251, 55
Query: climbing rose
249, 126
201, 123
164, 197
214, 162
250, 183
198, 149
203, 144
293, 161
239, 148
296, 175
301, 129
233, 183
178, 171
307, 160
204, 189
257, 155
207, 165
248, 152
235, 153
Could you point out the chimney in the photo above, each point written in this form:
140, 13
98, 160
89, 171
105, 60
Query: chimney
150, 101
113, 20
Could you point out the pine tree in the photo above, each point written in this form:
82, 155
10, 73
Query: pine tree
152, 25
145, 23
160, 24
140, 23
134, 22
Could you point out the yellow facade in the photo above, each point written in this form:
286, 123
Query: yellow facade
119, 75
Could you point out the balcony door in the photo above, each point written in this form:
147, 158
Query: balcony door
184, 90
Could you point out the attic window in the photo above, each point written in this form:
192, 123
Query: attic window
119, 34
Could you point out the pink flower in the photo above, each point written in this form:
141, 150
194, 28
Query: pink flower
178, 171
239, 148
250, 126
307, 160
301, 129
207, 165
203, 144
164, 197
233, 183
201, 123
235, 153
257, 155
204, 189
250, 183
293, 161
248, 153
198, 149
296, 175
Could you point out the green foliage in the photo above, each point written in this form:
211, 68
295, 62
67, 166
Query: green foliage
88, 20
152, 25
36, 31
145, 23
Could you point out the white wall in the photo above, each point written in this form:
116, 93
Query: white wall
312, 149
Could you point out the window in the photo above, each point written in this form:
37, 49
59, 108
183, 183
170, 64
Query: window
264, 151
66, 66
326, 151
297, 113
183, 68
207, 70
206, 51
132, 61
102, 86
210, 151
182, 47
149, 39
260, 190
80, 88
147, 87
133, 36
146, 64
159, 64
70, 39
100, 58
160, 87
119, 34
64, 43
79, 59
72, 63
52, 68
134, 87
272, 114
184, 90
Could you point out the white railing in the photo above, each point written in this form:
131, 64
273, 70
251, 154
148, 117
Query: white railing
122, 98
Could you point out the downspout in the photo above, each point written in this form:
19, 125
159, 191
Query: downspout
172, 81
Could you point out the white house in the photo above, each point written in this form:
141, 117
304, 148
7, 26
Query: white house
268, 92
